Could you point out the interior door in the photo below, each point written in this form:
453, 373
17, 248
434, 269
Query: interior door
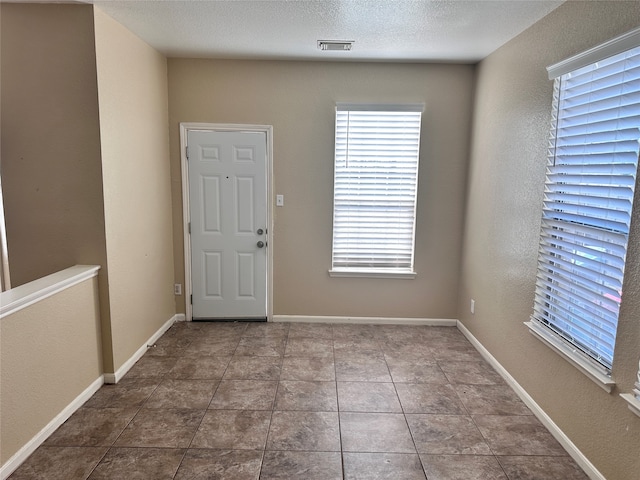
228, 214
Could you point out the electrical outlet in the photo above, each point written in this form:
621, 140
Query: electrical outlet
177, 289
473, 306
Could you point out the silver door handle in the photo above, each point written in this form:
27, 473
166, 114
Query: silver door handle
260, 244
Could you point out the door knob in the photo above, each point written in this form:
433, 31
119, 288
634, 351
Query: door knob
260, 231
260, 244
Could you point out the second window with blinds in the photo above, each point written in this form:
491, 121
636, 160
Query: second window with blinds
377, 150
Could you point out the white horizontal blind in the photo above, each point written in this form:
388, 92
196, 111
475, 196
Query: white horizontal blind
591, 175
375, 188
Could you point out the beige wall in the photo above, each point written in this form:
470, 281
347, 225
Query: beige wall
132, 92
49, 354
298, 99
50, 140
508, 157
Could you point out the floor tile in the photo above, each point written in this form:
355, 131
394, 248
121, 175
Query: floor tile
346, 347
199, 464
382, 466
375, 432
244, 394
491, 400
429, 398
310, 330
362, 368
170, 345
458, 352
473, 373
308, 368
354, 332
216, 347
306, 431
462, 467
129, 392
92, 427
161, 428
310, 396
309, 347
261, 346
368, 397
517, 435
414, 371
171, 393
447, 434
541, 468
199, 368
253, 368
267, 329
301, 465
151, 366
233, 430
131, 463
60, 463
410, 350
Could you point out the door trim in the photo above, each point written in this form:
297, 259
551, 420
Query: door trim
185, 127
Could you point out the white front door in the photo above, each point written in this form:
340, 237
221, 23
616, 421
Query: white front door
228, 214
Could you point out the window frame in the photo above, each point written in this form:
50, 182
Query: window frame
587, 365
340, 178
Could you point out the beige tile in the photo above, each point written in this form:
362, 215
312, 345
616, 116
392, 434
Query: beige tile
368, 397
517, 435
304, 431
362, 368
201, 464
172, 393
161, 428
156, 463
447, 434
59, 463
233, 430
310, 396
462, 467
429, 398
375, 432
382, 466
244, 394
541, 468
301, 465
308, 368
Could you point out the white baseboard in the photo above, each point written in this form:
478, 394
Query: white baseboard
21, 455
126, 366
584, 463
434, 322
180, 317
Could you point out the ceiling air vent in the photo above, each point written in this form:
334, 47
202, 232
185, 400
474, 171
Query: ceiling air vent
335, 45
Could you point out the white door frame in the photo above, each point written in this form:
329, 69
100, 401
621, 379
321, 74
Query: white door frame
185, 127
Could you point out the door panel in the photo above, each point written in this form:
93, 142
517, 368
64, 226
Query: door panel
227, 198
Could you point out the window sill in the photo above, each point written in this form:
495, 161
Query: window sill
574, 357
634, 403
405, 275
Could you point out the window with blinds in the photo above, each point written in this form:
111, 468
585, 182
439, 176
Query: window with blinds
375, 188
588, 198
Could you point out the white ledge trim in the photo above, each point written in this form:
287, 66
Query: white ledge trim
590, 371
404, 275
634, 403
21, 297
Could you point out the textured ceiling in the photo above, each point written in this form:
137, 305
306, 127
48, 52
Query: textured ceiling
383, 30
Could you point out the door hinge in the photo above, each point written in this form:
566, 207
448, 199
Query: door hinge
189, 225
191, 299
186, 152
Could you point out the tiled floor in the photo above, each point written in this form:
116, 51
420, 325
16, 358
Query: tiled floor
240, 401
